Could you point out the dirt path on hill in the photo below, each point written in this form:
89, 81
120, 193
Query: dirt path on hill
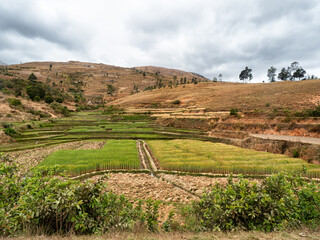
308, 140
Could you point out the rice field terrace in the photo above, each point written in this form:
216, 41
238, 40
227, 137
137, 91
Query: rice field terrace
166, 148
89, 125
202, 156
116, 154
145, 163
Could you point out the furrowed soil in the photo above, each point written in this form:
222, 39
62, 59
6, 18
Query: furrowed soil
170, 190
142, 186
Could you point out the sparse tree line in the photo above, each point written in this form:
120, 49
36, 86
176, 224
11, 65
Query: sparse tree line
291, 73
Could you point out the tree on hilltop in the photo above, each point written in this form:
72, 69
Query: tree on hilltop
272, 74
284, 74
246, 74
299, 73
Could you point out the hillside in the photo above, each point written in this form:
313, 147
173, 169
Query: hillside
224, 96
168, 73
97, 82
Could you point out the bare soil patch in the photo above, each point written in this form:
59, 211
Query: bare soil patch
197, 184
144, 186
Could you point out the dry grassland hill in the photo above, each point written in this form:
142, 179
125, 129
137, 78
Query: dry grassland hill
224, 96
93, 79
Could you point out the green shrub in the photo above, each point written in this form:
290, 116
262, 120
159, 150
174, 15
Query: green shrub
152, 215
48, 99
295, 154
14, 102
177, 102
60, 109
280, 201
10, 132
39, 113
35, 90
234, 112
59, 99
37, 99
51, 204
6, 125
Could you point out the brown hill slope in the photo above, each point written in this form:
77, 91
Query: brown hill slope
169, 73
92, 79
224, 96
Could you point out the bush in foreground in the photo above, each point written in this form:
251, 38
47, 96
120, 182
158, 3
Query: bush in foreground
42, 203
280, 201
47, 204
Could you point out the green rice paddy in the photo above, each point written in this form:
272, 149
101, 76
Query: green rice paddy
116, 154
201, 156
175, 152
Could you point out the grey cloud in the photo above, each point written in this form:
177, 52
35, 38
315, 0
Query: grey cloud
208, 37
27, 22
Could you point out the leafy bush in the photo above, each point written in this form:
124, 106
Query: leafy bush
295, 154
10, 132
14, 102
48, 99
234, 112
39, 113
6, 125
280, 201
152, 215
47, 204
177, 102
37, 99
59, 99
309, 112
60, 109
35, 90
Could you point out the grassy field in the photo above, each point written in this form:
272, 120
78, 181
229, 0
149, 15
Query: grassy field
200, 156
87, 129
116, 154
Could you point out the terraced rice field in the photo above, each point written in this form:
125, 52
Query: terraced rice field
116, 154
202, 156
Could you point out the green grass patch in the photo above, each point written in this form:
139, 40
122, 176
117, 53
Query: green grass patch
132, 130
201, 156
116, 154
133, 117
87, 129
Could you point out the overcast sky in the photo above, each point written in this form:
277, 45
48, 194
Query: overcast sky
203, 36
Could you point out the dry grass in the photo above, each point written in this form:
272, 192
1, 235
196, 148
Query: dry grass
224, 96
283, 235
95, 76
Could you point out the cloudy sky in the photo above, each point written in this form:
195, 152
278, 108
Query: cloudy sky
203, 36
